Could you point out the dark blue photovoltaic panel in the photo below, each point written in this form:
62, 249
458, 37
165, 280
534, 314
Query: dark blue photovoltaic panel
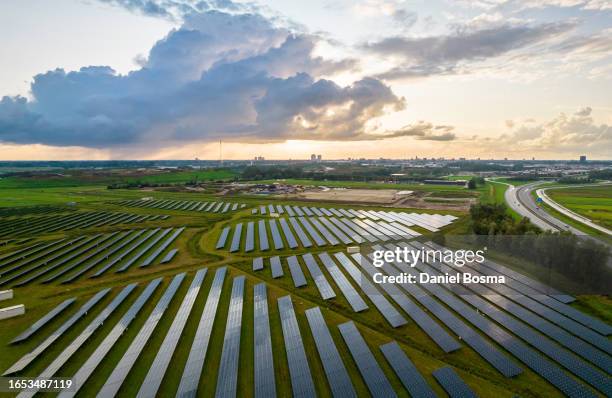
32, 355
362, 232
263, 235
337, 376
345, 239
296, 272
169, 256
279, 209
302, 385
85, 371
276, 238
61, 359
162, 247
300, 233
298, 211
437, 333
188, 386
326, 212
372, 374
324, 231
276, 267
258, 264
43, 321
235, 246
117, 377
288, 234
349, 232
289, 211
323, 285
160, 364
223, 238
454, 386
388, 311
313, 233
406, 371
249, 245
227, 379
307, 211
349, 292
265, 385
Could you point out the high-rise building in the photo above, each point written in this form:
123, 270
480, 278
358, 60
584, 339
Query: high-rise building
582, 158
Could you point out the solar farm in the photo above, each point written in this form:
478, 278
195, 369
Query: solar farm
200, 295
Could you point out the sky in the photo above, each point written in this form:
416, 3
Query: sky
171, 79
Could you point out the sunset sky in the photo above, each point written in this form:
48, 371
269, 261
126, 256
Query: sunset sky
168, 79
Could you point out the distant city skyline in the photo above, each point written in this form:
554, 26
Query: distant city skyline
126, 79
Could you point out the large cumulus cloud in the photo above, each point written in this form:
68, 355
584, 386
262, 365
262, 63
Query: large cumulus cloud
234, 76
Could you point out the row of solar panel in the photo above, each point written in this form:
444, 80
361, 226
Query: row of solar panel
302, 383
70, 259
213, 207
322, 231
431, 222
33, 226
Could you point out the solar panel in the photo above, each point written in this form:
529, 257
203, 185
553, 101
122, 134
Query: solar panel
373, 231
362, 232
188, 386
326, 211
321, 282
345, 239
389, 312
490, 353
301, 379
227, 379
168, 257
296, 272
278, 241
263, 235
226, 208
265, 385
335, 212
349, 292
454, 386
307, 211
279, 209
406, 371
121, 370
217, 207
162, 247
234, 206
158, 368
145, 249
316, 211
276, 267
444, 340
291, 242
271, 208
298, 211
250, 237
290, 211
313, 233
300, 233
337, 376
371, 372
29, 357
43, 321
235, 246
74, 346
223, 238
258, 264
346, 230
324, 231
262, 210
81, 376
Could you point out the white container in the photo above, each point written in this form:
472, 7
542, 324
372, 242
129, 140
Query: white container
6, 295
10, 312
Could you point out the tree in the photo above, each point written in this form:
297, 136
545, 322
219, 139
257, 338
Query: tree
472, 183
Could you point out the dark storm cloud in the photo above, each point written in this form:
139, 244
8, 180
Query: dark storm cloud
220, 75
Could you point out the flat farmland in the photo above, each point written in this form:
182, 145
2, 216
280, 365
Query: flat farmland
594, 203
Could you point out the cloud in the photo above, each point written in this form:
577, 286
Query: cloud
434, 55
569, 134
236, 77
424, 131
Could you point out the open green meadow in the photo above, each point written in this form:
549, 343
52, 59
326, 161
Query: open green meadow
594, 202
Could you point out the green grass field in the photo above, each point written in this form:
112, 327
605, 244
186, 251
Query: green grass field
594, 203
368, 185
197, 250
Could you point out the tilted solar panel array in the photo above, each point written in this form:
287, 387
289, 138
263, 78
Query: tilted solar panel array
188, 386
185, 205
337, 376
349, 292
227, 379
43, 321
302, 384
405, 370
265, 384
370, 370
296, 272
325, 289
160, 364
454, 386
